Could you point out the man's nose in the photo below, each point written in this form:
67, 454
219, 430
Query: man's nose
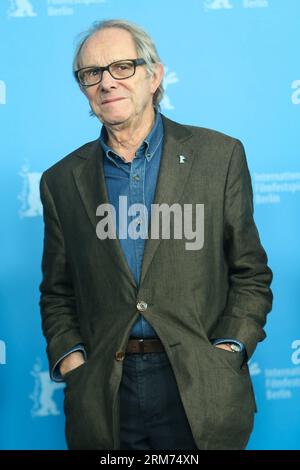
107, 80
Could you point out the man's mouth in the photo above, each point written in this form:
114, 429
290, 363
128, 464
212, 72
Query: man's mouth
112, 100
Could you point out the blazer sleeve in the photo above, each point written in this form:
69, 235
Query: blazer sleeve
250, 297
57, 301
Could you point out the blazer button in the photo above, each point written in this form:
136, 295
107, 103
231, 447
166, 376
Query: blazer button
142, 306
119, 355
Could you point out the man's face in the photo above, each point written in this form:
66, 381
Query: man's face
118, 101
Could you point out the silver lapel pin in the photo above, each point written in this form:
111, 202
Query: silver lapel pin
182, 159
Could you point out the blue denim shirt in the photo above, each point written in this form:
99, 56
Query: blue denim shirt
136, 180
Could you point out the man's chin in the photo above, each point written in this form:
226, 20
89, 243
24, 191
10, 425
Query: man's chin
114, 120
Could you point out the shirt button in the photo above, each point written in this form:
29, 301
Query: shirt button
142, 306
119, 355
136, 177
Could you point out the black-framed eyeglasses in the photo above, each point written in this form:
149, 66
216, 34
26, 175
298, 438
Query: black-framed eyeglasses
119, 70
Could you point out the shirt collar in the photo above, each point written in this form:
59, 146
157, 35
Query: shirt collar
148, 146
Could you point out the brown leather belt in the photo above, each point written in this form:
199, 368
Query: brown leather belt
142, 346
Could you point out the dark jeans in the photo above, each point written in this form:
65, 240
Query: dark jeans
151, 411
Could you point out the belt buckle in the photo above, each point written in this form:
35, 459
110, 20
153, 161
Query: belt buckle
141, 346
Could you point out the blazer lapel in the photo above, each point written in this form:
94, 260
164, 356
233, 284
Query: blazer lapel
90, 181
173, 175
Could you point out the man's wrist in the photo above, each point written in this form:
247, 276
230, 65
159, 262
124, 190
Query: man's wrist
231, 344
234, 347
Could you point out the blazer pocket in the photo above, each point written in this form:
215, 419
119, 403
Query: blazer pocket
69, 376
236, 361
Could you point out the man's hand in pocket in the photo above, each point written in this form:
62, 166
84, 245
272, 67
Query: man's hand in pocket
72, 361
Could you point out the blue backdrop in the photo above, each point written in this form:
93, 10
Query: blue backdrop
232, 65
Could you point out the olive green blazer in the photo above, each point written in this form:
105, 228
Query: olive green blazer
89, 295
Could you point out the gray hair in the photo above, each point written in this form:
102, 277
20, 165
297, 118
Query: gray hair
145, 47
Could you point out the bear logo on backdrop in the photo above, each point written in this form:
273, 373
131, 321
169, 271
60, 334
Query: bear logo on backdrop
21, 8
30, 194
169, 79
43, 393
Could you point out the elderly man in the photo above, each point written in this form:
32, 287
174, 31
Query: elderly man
151, 336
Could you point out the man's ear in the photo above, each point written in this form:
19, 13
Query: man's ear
157, 77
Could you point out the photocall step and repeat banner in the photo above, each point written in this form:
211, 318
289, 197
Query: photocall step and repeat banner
231, 65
